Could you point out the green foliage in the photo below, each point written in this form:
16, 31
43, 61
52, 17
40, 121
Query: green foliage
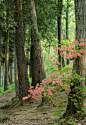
10, 88
5, 117
52, 69
71, 19
66, 43
51, 122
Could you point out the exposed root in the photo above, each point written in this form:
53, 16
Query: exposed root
14, 98
5, 106
45, 101
9, 104
17, 104
40, 105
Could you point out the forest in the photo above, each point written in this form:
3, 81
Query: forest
42, 62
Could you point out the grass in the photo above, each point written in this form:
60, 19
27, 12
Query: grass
10, 88
5, 117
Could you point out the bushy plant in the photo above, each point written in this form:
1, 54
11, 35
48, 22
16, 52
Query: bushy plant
63, 79
10, 88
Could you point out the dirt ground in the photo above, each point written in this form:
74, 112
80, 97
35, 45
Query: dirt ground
29, 114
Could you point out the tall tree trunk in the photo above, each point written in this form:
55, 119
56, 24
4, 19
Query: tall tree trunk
16, 79
10, 74
59, 22
20, 54
24, 33
79, 65
67, 25
24, 38
30, 68
3, 74
62, 58
63, 62
7, 54
37, 44
36, 39
16, 74
34, 66
0, 45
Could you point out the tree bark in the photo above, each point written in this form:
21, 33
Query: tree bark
30, 68
67, 26
7, 54
59, 22
16, 79
0, 45
20, 54
24, 33
10, 74
34, 66
3, 67
36, 39
37, 44
79, 65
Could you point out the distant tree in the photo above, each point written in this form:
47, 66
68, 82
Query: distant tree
11, 57
3, 67
7, 50
67, 24
0, 42
11, 73
59, 23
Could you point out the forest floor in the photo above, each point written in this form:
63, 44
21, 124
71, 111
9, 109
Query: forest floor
30, 114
